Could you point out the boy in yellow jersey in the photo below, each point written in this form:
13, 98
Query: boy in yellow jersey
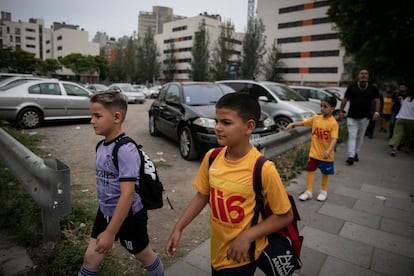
227, 185
321, 155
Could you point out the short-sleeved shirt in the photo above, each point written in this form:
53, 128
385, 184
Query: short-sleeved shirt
108, 178
323, 131
361, 100
229, 185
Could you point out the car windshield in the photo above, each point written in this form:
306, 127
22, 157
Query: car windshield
128, 88
202, 94
100, 87
285, 93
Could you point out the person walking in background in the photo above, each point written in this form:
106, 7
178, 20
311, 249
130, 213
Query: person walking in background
373, 122
227, 187
397, 98
321, 155
360, 96
404, 125
121, 213
386, 112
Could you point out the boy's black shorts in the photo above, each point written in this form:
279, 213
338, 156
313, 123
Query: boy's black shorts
133, 233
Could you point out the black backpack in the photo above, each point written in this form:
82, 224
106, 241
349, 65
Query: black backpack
150, 188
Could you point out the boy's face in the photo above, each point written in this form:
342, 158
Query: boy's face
326, 109
230, 128
104, 121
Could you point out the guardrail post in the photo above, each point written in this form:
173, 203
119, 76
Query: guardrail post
47, 181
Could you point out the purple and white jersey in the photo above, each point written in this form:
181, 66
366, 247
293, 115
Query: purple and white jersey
108, 178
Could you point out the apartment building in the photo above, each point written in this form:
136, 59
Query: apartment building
309, 43
181, 33
55, 42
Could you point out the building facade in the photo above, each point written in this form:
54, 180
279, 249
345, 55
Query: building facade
181, 34
311, 50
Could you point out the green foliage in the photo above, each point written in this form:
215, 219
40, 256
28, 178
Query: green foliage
293, 162
254, 44
274, 66
17, 60
147, 58
201, 54
222, 53
48, 66
377, 35
169, 63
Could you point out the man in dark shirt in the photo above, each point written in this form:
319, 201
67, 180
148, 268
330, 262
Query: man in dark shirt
360, 96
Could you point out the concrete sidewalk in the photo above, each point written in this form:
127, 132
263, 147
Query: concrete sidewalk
366, 226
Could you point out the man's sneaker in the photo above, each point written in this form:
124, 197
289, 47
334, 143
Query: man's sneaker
356, 157
350, 161
322, 196
305, 196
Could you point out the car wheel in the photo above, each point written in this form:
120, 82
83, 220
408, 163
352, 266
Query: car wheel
187, 146
153, 127
281, 123
29, 118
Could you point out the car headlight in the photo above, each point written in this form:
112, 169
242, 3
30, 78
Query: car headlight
205, 122
269, 121
307, 115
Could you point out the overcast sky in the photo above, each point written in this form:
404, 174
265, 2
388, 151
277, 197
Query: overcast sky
118, 17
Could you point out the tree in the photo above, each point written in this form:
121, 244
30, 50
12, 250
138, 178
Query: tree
21, 61
222, 53
48, 66
200, 53
6, 57
378, 35
102, 67
253, 49
79, 64
273, 70
169, 63
147, 55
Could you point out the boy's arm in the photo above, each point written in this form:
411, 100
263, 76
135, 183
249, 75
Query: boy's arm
195, 206
239, 249
331, 148
291, 125
105, 239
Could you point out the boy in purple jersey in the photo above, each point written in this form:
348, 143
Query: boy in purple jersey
120, 213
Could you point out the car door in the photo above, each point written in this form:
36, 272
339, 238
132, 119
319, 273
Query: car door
169, 111
77, 100
49, 96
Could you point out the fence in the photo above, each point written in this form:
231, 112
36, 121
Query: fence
47, 181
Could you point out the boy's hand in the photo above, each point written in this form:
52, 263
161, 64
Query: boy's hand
288, 127
172, 243
239, 249
104, 242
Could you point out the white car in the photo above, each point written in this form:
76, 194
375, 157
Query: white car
142, 88
31, 103
154, 91
133, 95
317, 94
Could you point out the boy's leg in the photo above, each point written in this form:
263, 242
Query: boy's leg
92, 260
151, 261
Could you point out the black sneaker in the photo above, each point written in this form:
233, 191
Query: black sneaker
356, 158
350, 161
393, 152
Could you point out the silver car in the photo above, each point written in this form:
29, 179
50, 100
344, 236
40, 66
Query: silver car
31, 103
283, 103
133, 95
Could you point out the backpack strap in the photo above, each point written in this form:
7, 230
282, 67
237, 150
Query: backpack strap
213, 155
259, 207
120, 142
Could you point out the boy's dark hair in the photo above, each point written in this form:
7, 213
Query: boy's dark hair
245, 105
330, 100
112, 100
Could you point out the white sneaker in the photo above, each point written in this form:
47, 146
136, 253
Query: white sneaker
322, 196
305, 196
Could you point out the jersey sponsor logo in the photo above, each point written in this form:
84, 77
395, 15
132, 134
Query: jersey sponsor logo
226, 210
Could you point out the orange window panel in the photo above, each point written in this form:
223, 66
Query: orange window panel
306, 38
305, 54
308, 6
304, 70
307, 22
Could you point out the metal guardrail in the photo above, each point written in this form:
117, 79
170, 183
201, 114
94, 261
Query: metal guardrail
274, 145
47, 181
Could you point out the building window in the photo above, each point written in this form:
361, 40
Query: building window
59, 48
180, 28
327, 53
297, 39
18, 39
59, 37
48, 41
30, 46
306, 6
47, 51
30, 30
17, 31
311, 70
30, 38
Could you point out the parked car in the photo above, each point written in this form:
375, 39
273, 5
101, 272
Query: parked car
338, 91
316, 95
31, 103
142, 88
10, 82
284, 104
96, 87
133, 95
154, 91
185, 111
